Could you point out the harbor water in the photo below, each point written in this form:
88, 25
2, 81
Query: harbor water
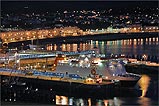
133, 48
145, 93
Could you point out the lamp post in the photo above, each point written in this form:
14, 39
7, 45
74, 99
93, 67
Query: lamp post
144, 57
17, 60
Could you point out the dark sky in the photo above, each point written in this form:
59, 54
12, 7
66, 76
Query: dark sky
17, 5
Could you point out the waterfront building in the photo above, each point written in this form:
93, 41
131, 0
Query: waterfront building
15, 36
135, 28
150, 28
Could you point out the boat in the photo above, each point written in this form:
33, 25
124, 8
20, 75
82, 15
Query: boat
85, 66
51, 81
72, 75
57, 79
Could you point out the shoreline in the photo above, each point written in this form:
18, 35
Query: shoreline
85, 38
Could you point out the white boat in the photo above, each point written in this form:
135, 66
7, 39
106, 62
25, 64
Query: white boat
86, 66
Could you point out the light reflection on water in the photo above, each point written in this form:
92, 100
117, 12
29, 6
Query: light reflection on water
144, 101
144, 84
116, 101
129, 46
63, 100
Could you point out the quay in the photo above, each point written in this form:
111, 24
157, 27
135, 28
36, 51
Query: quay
46, 80
35, 85
84, 38
142, 69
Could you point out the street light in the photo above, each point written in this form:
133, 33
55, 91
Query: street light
144, 57
17, 60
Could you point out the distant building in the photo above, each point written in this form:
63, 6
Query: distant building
150, 28
15, 36
135, 28
71, 31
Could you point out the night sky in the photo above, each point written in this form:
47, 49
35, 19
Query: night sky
70, 5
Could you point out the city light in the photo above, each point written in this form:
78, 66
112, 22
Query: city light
79, 53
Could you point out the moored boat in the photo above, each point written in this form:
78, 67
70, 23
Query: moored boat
85, 66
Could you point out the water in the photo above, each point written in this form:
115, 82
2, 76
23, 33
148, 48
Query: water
116, 101
145, 99
132, 47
